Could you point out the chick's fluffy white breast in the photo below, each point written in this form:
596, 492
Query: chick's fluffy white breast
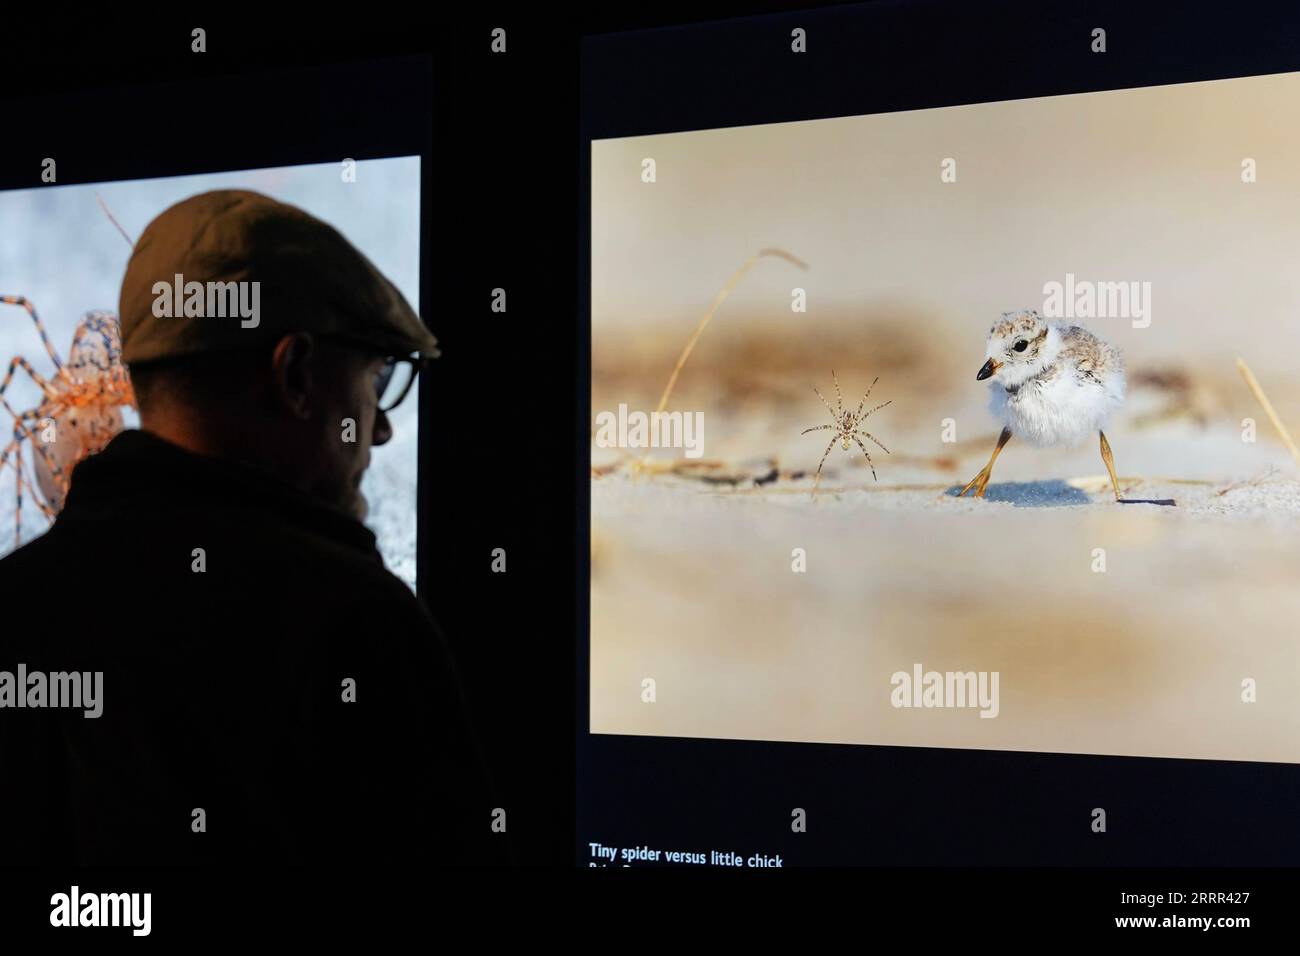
1072, 396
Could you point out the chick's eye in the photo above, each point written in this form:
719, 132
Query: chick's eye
1021, 345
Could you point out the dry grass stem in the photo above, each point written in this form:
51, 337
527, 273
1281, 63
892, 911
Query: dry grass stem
717, 302
1268, 409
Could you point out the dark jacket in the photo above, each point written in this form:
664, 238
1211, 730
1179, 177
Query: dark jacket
223, 688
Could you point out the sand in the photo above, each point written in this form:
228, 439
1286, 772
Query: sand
692, 586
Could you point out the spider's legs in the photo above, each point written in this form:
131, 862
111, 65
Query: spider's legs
839, 399
22, 430
9, 450
865, 397
815, 428
40, 326
874, 410
874, 439
981, 481
48, 391
868, 454
18, 492
20, 362
827, 404
20, 482
818, 478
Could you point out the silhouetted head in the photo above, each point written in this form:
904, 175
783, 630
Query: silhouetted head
307, 410
256, 332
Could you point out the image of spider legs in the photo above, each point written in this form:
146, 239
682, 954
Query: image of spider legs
864, 448
18, 493
48, 410
14, 449
23, 303
19, 362
834, 413
858, 416
870, 463
23, 425
817, 479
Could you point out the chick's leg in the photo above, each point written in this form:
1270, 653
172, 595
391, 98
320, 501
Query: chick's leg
981, 481
1109, 459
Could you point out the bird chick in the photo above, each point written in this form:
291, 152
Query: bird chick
1052, 384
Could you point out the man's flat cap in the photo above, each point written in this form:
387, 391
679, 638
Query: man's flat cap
230, 269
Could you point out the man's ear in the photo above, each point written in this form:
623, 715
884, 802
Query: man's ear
293, 373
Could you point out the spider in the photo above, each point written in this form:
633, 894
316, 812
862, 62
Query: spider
846, 425
79, 413
80, 409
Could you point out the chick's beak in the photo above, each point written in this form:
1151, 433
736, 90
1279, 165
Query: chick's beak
987, 369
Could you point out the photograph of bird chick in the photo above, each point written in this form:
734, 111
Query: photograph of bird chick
1052, 384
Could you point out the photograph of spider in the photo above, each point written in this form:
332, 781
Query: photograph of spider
729, 292
79, 412
846, 426
62, 252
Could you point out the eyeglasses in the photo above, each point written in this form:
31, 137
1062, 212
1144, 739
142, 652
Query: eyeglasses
394, 380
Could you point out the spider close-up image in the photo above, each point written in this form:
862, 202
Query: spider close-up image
80, 409
846, 425
64, 390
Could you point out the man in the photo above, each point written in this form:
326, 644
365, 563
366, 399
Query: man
269, 690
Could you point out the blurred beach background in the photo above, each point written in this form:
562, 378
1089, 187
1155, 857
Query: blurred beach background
59, 250
691, 561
